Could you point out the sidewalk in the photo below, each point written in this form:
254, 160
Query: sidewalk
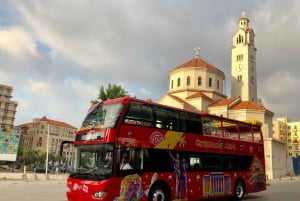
30, 176
33, 190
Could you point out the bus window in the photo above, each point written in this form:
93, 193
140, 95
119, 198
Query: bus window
104, 116
232, 163
212, 127
167, 119
193, 123
139, 114
196, 162
161, 118
132, 158
173, 123
213, 162
245, 162
237, 163
153, 160
92, 159
257, 135
230, 130
125, 158
245, 132
108, 160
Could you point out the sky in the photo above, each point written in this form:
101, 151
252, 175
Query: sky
57, 53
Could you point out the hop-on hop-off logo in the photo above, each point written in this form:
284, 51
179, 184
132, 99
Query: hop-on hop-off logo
156, 138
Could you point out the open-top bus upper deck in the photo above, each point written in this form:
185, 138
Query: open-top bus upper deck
132, 122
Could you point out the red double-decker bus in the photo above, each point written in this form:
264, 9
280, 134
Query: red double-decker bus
129, 150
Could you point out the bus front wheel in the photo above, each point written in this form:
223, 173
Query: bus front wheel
158, 193
239, 191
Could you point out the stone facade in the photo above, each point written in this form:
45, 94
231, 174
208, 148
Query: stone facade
42, 131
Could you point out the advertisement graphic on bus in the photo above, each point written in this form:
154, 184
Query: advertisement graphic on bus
129, 150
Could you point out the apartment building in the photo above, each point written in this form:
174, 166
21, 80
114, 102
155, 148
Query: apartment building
280, 129
293, 145
8, 107
43, 132
288, 132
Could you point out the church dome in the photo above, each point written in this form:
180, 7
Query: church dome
196, 75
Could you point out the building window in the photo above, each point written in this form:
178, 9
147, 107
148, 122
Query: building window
39, 142
199, 81
239, 39
210, 82
239, 57
239, 78
171, 84
188, 81
218, 84
178, 82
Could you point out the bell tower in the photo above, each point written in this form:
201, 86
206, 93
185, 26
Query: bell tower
243, 62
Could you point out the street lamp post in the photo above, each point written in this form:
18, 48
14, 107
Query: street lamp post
47, 152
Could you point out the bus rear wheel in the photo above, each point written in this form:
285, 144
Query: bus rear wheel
239, 191
158, 193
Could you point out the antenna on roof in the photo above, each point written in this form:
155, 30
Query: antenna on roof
197, 49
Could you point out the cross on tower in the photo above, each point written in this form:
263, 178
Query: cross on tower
197, 49
244, 14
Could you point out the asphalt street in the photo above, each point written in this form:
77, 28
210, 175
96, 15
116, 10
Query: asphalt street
47, 190
54, 190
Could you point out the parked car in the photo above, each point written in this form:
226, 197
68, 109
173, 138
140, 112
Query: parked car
40, 170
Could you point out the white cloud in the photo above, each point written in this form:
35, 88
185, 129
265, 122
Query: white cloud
73, 32
17, 43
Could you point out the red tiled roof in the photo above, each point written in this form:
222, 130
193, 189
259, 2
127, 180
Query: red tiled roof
22, 125
236, 104
248, 105
197, 62
57, 123
198, 95
223, 102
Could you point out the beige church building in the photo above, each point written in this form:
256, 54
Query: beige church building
199, 86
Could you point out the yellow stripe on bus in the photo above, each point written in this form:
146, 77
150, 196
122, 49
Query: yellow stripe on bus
172, 138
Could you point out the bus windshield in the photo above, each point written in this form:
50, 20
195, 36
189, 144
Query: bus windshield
92, 162
103, 116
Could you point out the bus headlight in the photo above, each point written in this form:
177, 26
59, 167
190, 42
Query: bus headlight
68, 189
100, 195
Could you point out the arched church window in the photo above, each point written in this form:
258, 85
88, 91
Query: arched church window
239, 78
210, 82
178, 82
199, 81
188, 81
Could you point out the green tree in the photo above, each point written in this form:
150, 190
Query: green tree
112, 91
27, 156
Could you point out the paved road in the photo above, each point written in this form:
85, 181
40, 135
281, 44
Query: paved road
279, 190
18, 190
54, 190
